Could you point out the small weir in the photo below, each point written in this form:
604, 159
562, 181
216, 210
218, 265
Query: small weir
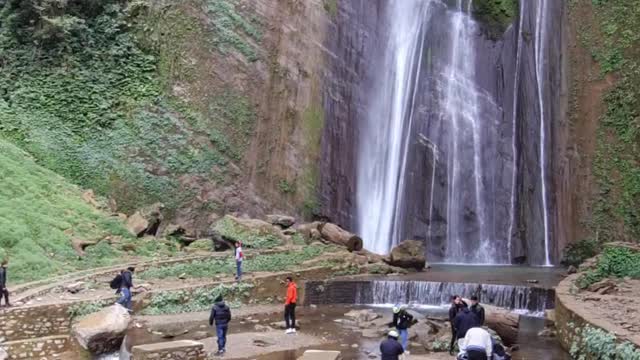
378, 292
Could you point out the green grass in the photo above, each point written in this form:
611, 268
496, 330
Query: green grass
250, 238
40, 213
202, 299
209, 268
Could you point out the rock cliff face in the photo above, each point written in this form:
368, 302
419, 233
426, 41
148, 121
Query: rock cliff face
272, 54
517, 84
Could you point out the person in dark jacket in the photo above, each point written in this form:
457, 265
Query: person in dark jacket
3, 284
402, 320
477, 310
125, 288
221, 315
391, 348
457, 305
464, 321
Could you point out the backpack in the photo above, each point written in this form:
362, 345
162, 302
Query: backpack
116, 282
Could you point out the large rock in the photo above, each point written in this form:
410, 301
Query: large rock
362, 316
408, 254
103, 331
146, 221
251, 232
283, 221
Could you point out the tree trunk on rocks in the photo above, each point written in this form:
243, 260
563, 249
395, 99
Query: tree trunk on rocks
335, 234
504, 324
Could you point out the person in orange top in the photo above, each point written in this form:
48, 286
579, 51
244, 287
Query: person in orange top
290, 306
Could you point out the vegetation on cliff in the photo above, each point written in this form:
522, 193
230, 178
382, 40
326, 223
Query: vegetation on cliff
88, 100
614, 43
497, 15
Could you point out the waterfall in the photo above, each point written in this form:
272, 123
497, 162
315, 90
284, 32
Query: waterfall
382, 155
461, 110
540, 61
514, 127
440, 131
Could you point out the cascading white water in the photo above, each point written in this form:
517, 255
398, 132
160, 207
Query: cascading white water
540, 60
382, 155
461, 110
514, 139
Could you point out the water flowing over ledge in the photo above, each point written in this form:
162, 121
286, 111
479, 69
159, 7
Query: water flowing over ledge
532, 300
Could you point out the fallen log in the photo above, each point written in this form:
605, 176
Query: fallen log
335, 234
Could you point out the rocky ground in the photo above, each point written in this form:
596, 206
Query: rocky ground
615, 301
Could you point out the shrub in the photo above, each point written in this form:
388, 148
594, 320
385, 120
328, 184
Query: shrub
593, 343
201, 299
576, 253
614, 261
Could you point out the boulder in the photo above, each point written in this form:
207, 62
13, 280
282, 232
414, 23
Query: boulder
200, 245
103, 331
146, 221
321, 355
75, 287
408, 254
283, 221
250, 232
137, 224
4, 355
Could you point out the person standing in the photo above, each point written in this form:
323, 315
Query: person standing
390, 349
3, 284
457, 305
402, 320
477, 310
221, 315
290, 306
239, 258
464, 321
125, 288
477, 344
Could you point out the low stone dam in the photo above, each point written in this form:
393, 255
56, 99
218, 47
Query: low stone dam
529, 299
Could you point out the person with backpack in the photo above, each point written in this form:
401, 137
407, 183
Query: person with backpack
221, 315
239, 258
125, 282
3, 283
402, 320
290, 306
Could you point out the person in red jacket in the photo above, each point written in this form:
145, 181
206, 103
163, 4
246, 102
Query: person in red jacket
290, 306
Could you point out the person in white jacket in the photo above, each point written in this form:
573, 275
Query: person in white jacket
477, 344
239, 258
